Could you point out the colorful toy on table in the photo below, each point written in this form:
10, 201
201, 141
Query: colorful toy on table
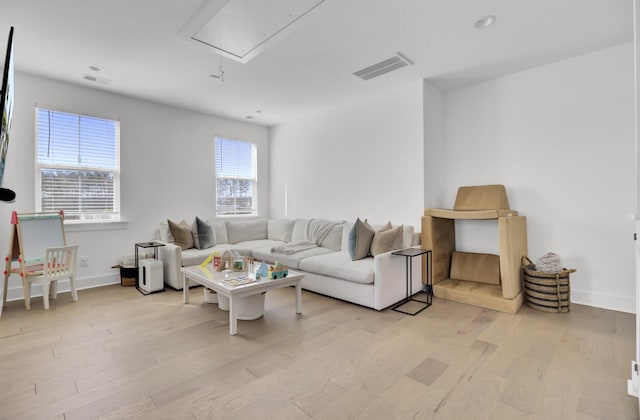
263, 271
279, 271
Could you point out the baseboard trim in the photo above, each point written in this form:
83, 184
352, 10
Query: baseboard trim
604, 301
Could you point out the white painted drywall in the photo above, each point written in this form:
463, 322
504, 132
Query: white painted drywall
360, 159
561, 138
167, 167
435, 138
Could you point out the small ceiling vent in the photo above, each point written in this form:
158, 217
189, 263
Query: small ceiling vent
396, 62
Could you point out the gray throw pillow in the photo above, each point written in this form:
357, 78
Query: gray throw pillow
360, 239
204, 237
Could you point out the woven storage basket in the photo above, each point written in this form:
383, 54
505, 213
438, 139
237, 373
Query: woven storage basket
545, 291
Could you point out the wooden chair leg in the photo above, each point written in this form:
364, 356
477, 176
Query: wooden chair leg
54, 289
74, 292
45, 293
26, 287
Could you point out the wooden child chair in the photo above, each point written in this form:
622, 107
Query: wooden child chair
59, 263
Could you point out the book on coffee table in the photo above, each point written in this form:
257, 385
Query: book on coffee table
239, 281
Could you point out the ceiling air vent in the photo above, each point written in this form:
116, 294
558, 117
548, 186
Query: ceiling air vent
396, 62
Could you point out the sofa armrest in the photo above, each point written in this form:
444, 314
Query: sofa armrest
389, 277
171, 257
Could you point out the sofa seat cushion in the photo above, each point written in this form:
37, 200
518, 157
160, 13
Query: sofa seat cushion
292, 261
340, 265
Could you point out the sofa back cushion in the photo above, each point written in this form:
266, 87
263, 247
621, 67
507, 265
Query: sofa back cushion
346, 228
249, 230
220, 230
407, 238
280, 229
164, 232
333, 240
299, 232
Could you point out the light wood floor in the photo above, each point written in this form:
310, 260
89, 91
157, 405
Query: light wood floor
118, 354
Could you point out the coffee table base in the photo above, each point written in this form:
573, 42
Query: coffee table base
207, 278
249, 307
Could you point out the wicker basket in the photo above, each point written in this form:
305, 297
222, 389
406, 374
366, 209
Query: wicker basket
544, 291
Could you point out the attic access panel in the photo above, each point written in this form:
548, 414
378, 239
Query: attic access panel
242, 29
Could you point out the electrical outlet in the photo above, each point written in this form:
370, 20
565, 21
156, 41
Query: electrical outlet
84, 261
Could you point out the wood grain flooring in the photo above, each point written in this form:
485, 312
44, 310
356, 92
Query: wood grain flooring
116, 354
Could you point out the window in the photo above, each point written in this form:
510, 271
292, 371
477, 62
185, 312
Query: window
78, 165
236, 178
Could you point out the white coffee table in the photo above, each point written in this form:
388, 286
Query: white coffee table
213, 279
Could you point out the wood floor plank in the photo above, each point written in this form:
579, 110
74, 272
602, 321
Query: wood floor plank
118, 354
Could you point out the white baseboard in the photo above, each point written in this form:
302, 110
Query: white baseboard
16, 293
613, 302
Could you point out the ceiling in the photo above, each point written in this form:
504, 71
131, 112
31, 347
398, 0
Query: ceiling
137, 45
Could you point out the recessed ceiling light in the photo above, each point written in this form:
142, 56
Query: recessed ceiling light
485, 22
249, 117
92, 78
94, 68
258, 111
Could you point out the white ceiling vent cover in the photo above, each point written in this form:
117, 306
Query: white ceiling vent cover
242, 29
396, 62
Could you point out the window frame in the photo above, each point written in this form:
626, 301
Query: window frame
84, 219
255, 209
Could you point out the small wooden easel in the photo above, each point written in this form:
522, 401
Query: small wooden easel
31, 235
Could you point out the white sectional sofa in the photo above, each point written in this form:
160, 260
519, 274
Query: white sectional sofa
376, 281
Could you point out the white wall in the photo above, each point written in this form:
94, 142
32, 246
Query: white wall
167, 157
361, 159
435, 138
561, 138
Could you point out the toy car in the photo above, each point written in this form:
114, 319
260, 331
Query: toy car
279, 271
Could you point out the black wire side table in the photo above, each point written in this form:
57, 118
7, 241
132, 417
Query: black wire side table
409, 254
155, 245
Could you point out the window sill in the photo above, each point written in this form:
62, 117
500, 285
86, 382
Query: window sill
75, 226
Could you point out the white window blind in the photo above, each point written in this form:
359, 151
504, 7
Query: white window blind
78, 165
236, 178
